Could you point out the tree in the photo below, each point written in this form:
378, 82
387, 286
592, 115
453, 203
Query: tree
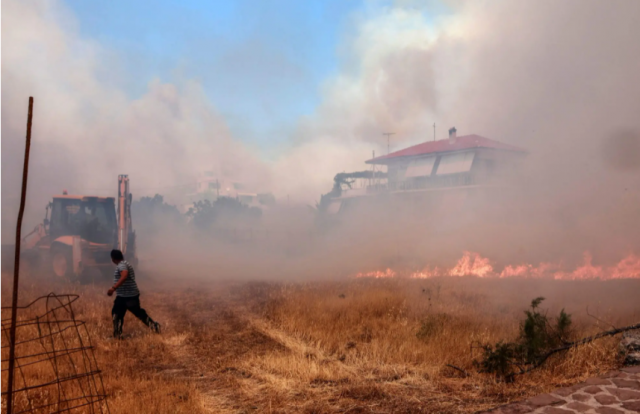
151, 214
205, 214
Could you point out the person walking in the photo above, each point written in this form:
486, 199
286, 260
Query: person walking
127, 296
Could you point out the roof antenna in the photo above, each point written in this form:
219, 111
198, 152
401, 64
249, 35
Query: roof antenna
434, 131
388, 134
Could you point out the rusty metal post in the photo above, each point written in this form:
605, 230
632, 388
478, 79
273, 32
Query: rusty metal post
16, 269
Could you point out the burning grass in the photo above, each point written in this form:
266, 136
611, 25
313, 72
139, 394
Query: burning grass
473, 264
362, 345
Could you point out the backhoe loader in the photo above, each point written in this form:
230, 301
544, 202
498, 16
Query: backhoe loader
79, 232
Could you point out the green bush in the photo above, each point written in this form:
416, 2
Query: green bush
538, 336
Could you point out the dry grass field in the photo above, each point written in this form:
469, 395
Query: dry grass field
353, 346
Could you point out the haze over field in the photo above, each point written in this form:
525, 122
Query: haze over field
557, 78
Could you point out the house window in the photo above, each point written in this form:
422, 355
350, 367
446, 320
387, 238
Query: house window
455, 163
421, 167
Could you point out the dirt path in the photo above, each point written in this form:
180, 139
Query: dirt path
212, 345
239, 363
207, 345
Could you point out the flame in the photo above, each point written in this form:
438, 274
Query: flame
426, 273
529, 271
586, 271
378, 274
473, 264
627, 268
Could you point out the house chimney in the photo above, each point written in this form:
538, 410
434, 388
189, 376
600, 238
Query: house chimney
452, 135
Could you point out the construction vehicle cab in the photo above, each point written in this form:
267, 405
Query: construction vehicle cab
80, 233
91, 218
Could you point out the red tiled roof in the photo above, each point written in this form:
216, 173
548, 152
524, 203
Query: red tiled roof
444, 145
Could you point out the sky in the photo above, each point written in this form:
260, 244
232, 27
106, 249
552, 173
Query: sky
261, 64
229, 85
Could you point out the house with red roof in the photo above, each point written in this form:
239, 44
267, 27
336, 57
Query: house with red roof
447, 169
456, 161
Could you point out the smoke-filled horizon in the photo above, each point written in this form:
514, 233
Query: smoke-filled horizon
557, 78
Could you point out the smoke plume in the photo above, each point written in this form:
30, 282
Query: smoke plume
556, 78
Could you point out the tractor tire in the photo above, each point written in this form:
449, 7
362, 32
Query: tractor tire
62, 264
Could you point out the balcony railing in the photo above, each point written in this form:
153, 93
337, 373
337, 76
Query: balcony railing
426, 183
421, 183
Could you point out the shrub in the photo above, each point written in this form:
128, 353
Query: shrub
150, 214
206, 213
538, 336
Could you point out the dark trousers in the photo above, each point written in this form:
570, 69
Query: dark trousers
121, 306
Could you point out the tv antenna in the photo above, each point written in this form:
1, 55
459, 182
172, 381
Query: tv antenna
388, 134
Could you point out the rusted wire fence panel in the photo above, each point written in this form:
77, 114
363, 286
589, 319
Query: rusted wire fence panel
55, 366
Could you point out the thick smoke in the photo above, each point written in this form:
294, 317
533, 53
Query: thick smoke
557, 78
87, 130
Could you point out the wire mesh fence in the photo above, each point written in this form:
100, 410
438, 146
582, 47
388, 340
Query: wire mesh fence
55, 367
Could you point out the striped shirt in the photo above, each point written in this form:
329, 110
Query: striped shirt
129, 288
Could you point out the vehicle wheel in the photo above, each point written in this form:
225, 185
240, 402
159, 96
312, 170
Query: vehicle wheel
61, 263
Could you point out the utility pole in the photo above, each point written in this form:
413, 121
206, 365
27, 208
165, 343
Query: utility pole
434, 131
388, 134
372, 181
16, 267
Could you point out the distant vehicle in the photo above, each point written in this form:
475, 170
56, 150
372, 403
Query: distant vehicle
80, 234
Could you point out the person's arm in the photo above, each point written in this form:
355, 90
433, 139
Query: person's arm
123, 276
